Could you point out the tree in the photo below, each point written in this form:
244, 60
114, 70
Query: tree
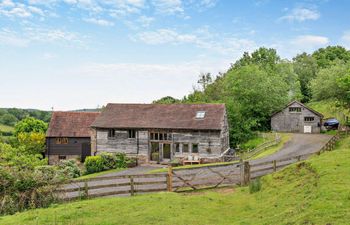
166, 100
326, 57
266, 58
33, 142
305, 66
332, 83
204, 80
285, 70
29, 125
9, 119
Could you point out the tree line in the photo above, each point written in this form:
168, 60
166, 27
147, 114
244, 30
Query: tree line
261, 83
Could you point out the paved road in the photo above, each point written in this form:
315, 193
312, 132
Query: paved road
299, 144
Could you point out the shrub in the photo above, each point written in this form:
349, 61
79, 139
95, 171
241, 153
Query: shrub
109, 160
122, 160
255, 186
93, 164
26, 188
69, 168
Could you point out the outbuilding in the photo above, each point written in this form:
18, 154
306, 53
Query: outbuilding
297, 117
69, 136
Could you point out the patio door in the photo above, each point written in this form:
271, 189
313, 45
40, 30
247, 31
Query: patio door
155, 154
166, 151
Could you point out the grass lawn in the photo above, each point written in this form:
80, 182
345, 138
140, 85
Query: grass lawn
310, 192
88, 176
285, 137
6, 128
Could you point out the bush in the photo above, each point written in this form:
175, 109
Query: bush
255, 186
109, 160
69, 168
93, 164
22, 189
106, 161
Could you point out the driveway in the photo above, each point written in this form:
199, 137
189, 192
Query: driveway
298, 145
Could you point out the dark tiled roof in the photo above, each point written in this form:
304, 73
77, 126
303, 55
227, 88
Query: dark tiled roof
301, 104
163, 116
71, 124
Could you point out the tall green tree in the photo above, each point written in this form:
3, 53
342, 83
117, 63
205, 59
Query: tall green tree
167, 100
326, 57
29, 125
305, 66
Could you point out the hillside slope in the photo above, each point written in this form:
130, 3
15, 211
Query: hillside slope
316, 191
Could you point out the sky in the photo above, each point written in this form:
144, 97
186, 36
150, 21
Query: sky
74, 54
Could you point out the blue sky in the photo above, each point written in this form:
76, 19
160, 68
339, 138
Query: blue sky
83, 53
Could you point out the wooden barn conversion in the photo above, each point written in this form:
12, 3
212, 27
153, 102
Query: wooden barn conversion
69, 136
160, 132
296, 117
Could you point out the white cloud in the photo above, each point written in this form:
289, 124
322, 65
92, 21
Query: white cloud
301, 14
312, 41
10, 38
345, 39
145, 21
205, 4
100, 22
29, 35
11, 9
169, 7
201, 38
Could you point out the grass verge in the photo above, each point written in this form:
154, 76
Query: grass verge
6, 128
285, 137
315, 191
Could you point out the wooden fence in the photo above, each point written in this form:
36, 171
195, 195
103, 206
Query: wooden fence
210, 176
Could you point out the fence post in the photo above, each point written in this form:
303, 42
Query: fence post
86, 189
170, 179
132, 188
241, 167
246, 173
274, 165
299, 158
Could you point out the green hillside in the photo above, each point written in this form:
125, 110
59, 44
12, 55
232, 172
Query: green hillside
330, 109
6, 128
312, 192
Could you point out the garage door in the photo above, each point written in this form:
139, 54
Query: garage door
307, 129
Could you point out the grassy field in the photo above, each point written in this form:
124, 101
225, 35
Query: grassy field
6, 128
310, 192
285, 137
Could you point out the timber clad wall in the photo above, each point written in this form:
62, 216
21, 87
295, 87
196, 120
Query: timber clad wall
72, 148
286, 121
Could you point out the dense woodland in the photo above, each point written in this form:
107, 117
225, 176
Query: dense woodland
260, 83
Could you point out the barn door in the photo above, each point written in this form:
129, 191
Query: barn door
85, 150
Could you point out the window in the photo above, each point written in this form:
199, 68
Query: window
200, 114
294, 109
160, 136
60, 141
177, 147
62, 157
111, 133
194, 148
185, 148
309, 118
131, 133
